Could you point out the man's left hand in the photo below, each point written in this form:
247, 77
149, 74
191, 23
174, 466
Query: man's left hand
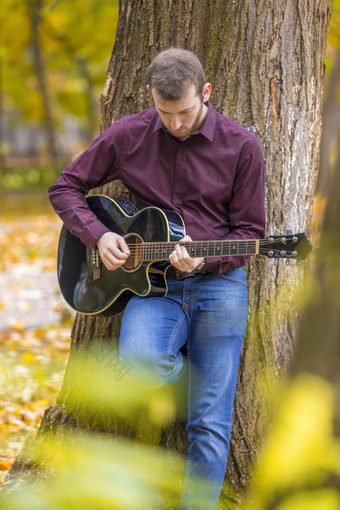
181, 259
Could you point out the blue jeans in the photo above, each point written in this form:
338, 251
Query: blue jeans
207, 314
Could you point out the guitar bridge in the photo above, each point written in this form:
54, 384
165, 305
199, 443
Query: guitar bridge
96, 264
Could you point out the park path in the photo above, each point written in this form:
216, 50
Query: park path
34, 320
29, 294
29, 297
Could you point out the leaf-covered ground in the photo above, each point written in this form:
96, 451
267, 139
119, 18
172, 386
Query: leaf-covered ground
34, 323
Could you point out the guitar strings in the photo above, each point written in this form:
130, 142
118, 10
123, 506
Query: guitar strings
171, 245
138, 248
174, 243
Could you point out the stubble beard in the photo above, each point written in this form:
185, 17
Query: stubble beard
195, 125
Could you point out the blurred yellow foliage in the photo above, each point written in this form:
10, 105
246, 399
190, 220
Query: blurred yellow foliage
4, 465
301, 451
319, 206
28, 357
323, 499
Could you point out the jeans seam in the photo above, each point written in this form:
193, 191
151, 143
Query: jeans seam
236, 280
189, 434
173, 336
194, 296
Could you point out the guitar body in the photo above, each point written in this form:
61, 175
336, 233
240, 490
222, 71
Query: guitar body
109, 292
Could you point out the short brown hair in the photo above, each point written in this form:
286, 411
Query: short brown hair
173, 71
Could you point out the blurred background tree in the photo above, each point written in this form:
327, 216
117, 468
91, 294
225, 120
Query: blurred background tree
51, 75
329, 149
53, 57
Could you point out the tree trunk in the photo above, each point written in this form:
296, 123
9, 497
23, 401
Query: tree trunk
35, 8
265, 60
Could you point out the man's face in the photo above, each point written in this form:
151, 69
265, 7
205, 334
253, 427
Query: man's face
181, 118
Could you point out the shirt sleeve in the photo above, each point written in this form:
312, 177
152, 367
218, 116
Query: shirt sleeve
246, 210
99, 164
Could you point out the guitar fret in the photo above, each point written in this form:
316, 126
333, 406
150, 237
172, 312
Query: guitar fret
162, 250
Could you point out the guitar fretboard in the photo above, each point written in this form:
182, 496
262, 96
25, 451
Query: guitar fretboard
162, 251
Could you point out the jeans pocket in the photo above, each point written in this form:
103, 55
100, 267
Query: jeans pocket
236, 276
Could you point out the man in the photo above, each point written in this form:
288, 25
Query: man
181, 155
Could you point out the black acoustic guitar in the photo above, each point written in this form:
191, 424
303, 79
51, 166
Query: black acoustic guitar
151, 234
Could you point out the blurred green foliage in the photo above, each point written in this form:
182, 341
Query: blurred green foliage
12, 179
296, 469
99, 470
103, 474
299, 467
76, 38
334, 33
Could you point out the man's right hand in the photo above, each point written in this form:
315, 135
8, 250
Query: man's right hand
113, 250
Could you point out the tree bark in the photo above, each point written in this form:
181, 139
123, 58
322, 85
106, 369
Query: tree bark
265, 60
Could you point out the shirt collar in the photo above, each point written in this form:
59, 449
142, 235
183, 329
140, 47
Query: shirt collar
209, 125
207, 129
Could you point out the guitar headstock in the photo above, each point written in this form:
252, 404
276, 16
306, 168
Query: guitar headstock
289, 246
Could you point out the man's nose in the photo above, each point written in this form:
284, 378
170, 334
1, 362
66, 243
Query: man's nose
176, 123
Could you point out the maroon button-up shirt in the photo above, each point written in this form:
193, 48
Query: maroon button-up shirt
214, 179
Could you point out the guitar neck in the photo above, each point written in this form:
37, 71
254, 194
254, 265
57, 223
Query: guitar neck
162, 250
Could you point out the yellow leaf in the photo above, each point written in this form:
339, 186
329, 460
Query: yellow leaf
39, 403
5, 465
17, 324
38, 333
28, 357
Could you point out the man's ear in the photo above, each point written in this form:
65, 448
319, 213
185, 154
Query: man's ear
206, 92
150, 92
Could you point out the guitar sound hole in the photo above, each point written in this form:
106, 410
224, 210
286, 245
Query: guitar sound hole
135, 246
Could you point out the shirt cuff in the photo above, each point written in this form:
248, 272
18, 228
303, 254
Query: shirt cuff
91, 238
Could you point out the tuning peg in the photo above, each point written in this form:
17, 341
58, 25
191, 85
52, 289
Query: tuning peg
289, 232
